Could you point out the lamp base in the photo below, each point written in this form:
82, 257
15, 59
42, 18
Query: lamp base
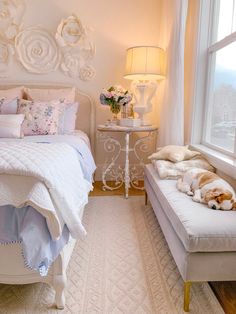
141, 110
146, 90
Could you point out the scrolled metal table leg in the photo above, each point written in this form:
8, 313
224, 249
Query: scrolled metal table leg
127, 171
111, 145
142, 146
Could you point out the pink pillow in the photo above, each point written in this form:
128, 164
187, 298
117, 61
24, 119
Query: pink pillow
62, 94
41, 118
12, 93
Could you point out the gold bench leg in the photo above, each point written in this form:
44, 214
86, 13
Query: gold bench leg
187, 286
146, 198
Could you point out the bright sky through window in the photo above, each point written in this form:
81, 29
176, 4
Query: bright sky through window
227, 24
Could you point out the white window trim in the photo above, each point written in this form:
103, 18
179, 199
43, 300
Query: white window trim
219, 159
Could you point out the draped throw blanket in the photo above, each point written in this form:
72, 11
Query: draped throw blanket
57, 167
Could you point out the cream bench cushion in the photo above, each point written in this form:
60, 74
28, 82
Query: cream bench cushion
199, 228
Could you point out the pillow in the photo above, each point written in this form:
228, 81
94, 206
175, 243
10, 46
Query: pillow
174, 153
68, 118
8, 107
12, 93
10, 125
41, 118
8, 100
63, 94
169, 170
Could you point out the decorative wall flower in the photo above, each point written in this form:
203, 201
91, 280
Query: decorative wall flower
74, 65
71, 63
69, 31
11, 13
37, 50
5, 56
87, 48
87, 72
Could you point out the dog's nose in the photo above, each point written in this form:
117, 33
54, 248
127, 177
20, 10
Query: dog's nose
213, 206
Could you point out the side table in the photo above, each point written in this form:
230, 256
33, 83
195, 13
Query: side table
127, 176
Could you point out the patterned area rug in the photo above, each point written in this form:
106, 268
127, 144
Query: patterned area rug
123, 266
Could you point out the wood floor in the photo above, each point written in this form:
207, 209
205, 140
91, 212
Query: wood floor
226, 294
225, 291
98, 191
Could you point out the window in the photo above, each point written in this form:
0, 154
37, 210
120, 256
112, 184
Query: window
220, 105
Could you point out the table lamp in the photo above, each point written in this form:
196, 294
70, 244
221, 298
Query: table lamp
145, 66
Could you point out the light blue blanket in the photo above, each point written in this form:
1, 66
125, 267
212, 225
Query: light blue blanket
28, 227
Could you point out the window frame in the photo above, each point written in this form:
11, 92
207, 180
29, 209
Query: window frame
212, 49
221, 159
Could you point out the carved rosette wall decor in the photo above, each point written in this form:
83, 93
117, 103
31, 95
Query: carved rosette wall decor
77, 48
37, 50
69, 31
11, 13
5, 56
87, 72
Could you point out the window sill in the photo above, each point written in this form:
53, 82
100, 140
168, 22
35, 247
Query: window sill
219, 160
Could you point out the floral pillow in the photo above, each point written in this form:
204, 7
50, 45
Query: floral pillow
41, 118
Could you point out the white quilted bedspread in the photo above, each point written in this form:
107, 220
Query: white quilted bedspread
57, 167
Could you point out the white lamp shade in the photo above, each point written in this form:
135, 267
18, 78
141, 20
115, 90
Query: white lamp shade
145, 63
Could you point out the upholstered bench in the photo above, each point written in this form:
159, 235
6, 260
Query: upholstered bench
202, 241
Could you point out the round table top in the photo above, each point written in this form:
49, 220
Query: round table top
117, 128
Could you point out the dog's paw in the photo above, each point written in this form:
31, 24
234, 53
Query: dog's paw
197, 200
190, 193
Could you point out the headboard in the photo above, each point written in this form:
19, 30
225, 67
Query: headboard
86, 112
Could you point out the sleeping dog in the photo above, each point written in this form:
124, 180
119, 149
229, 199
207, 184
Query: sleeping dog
208, 188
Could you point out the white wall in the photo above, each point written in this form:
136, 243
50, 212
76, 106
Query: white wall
117, 25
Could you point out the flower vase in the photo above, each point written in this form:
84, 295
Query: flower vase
115, 109
124, 112
115, 118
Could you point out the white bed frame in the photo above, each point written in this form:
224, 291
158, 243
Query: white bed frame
12, 268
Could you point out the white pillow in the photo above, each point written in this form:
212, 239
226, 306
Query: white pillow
10, 125
68, 118
42, 94
8, 107
8, 99
174, 153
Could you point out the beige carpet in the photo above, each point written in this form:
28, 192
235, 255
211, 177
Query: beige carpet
123, 266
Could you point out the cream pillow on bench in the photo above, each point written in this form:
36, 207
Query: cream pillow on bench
174, 153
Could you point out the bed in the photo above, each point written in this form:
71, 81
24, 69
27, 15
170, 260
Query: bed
77, 147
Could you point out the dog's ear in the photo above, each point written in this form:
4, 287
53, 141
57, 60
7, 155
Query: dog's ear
211, 194
227, 195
